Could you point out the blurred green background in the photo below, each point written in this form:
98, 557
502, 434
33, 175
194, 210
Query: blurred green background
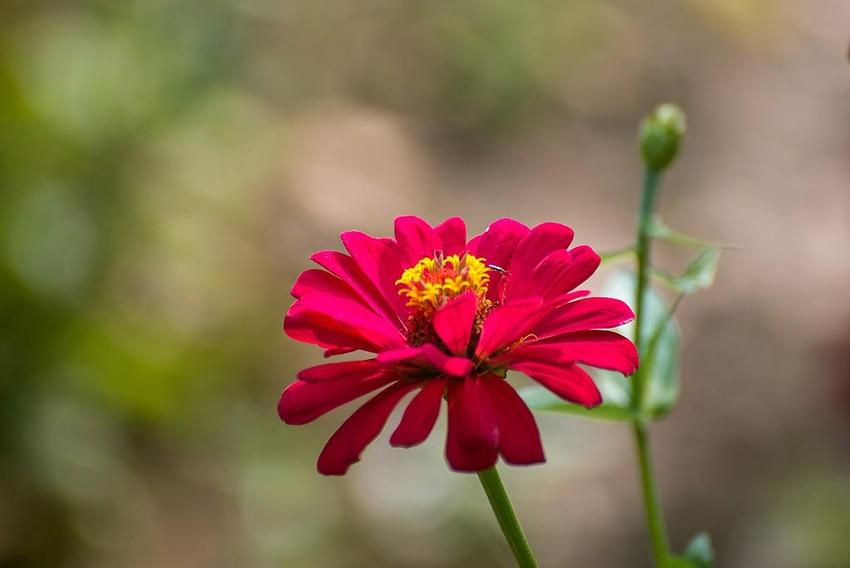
167, 166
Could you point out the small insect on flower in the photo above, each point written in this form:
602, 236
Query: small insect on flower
444, 321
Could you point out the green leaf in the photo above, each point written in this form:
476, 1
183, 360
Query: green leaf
659, 230
662, 366
700, 551
698, 275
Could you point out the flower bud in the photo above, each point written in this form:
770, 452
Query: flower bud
661, 134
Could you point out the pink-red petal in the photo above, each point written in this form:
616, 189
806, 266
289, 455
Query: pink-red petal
338, 322
452, 233
473, 438
603, 349
541, 241
519, 438
453, 322
588, 313
560, 272
381, 262
570, 382
420, 415
496, 246
303, 402
349, 441
507, 324
347, 269
428, 356
340, 370
416, 239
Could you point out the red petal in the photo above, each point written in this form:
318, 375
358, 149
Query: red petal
519, 438
452, 233
340, 370
534, 247
453, 322
380, 261
559, 272
603, 349
570, 382
428, 356
507, 324
496, 245
473, 437
338, 322
345, 267
590, 313
315, 280
416, 239
347, 443
303, 402
420, 415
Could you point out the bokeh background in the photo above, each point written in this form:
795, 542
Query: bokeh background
167, 166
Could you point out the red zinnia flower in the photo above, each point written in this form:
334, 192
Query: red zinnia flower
447, 318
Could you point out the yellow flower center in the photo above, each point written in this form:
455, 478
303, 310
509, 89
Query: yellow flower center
433, 281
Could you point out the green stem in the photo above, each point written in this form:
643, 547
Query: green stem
651, 501
507, 518
652, 504
644, 245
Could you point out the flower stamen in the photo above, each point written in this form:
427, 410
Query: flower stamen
433, 281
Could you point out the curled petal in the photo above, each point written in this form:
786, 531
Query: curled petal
347, 443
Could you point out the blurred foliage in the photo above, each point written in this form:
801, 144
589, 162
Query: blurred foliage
148, 236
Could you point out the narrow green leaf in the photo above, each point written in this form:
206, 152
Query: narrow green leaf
662, 366
698, 275
661, 231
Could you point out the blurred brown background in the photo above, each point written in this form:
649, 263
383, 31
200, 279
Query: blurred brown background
167, 166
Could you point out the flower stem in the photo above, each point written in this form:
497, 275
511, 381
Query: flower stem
651, 501
644, 245
507, 518
652, 504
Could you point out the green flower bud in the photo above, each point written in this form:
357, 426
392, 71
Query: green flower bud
661, 135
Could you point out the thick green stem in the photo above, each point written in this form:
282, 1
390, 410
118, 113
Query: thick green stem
652, 504
507, 518
651, 501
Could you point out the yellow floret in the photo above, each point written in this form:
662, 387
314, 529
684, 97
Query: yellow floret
433, 280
